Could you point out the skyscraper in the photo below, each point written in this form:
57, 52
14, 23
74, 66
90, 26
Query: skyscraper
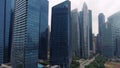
90, 30
5, 16
43, 47
114, 22
75, 33
25, 35
60, 48
117, 47
85, 31
106, 39
101, 22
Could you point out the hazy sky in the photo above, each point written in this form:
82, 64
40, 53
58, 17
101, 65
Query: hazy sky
108, 7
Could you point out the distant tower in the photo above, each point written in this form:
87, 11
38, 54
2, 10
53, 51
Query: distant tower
90, 31
101, 22
85, 31
75, 33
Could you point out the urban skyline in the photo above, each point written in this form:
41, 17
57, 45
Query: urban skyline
108, 7
27, 40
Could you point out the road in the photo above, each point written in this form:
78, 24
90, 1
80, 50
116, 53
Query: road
83, 62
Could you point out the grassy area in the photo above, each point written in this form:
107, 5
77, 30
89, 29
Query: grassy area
98, 63
74, 63
76, 58
44, 63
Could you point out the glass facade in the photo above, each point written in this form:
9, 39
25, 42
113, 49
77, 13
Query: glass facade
106, 40
114, 22
5, 15
101, 22
85, 32
75, 33
90, 30
60, 48
43, 47
81, 32
110, 35
25, 35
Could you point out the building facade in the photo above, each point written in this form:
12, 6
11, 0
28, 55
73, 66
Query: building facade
90, 30
43, 47
25, 42
85, 32
110, 35
101, 22
106, 40
60, 48
5, 22
114, 23
75, 33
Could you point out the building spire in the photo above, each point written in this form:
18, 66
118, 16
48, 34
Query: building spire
85, 6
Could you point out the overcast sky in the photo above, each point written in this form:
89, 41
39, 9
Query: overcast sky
108, 7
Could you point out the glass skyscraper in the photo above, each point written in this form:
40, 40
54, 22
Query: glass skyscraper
101, 22
114, 22
43, 47
5, 16
25, 42
85, 32
110, 35
75, 33
60, 48
90, 30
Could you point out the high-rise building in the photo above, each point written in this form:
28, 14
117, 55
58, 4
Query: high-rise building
81, 32
110, 35
114, 22
106, 40
101, 22
94, 44
90, 30
60, 48
43, 47
85, 22
98, 44
5, 22
117, 47
75, 33
25, 42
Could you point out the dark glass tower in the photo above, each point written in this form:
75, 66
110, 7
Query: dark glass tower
101, 22
90, 30
25, 42
60, 48
43, 47
5, 16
